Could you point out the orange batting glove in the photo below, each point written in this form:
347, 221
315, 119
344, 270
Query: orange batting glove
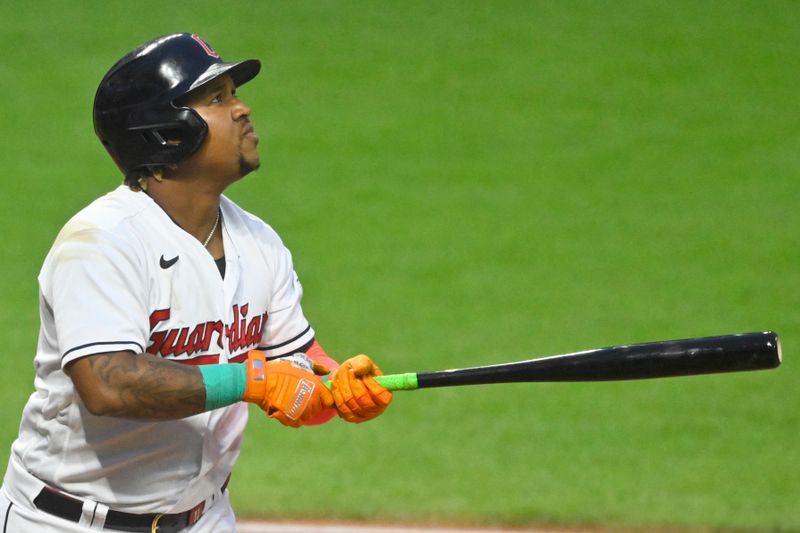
357, 395
286, 389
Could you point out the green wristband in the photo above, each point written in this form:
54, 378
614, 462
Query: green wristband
224, 384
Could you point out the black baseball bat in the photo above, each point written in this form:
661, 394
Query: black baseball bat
687, 357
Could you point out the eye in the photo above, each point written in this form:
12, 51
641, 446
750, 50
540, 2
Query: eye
217, 99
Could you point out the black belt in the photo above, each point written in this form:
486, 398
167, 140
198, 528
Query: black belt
59, 504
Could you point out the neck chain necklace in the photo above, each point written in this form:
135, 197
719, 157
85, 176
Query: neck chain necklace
208, 239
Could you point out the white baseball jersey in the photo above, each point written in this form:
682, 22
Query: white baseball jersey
123, 276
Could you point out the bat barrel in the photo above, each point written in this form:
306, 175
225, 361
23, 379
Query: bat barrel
706, 355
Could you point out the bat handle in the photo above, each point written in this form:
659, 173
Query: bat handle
392, 382
406, 381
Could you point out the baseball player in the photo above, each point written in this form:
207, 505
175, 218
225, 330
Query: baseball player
164, 308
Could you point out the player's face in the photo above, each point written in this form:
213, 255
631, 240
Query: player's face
231, 147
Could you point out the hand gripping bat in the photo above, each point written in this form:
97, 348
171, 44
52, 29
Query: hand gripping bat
705, 355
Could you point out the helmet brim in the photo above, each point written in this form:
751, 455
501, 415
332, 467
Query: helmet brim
240, 72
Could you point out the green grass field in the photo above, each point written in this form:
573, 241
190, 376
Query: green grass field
467, 183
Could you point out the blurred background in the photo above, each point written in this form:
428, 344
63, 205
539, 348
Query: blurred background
467, 183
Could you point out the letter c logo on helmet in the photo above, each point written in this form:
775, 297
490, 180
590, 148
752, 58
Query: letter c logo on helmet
136, 115
210, 51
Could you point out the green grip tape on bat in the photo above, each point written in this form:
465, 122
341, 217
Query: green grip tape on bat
391, 382
398, 381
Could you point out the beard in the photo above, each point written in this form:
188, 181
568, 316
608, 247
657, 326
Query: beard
246, 167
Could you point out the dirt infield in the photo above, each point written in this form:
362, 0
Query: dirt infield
300, 527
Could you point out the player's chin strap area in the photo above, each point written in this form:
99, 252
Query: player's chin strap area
59, 504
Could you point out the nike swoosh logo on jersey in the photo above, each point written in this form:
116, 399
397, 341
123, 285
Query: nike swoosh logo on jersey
166, 263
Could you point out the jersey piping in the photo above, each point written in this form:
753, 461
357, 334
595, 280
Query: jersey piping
108, 343
282, 344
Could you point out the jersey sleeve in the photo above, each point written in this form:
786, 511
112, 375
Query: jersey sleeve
287, 329
95, 286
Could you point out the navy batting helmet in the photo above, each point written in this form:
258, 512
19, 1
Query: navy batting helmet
136, 115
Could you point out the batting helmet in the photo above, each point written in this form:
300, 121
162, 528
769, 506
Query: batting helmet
136, 115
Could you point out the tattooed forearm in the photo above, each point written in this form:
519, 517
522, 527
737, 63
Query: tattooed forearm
138, 386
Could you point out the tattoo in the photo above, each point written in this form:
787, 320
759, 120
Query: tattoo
143, 386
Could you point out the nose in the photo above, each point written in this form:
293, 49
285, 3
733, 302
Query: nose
240, 109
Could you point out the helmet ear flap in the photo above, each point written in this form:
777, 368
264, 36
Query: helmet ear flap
183, 126
168, 141
163, 136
